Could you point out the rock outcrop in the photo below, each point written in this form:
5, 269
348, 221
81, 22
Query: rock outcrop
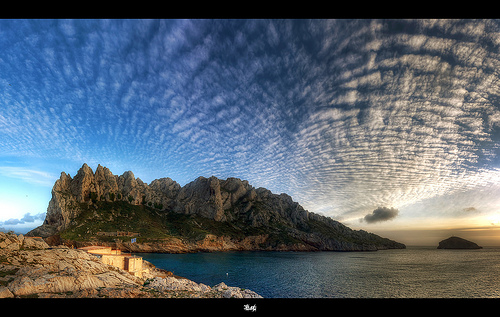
457, 243
30, 268
68, 195
239, 216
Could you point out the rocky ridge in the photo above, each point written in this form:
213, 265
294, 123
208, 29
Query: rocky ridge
207, 214
30, 268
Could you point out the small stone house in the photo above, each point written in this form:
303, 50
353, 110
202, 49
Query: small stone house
124, 261
133, 264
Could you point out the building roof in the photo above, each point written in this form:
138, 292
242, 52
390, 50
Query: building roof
93, 247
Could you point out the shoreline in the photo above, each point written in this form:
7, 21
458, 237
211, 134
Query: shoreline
210, 243
30, 268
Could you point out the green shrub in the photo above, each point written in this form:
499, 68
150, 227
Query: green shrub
158, 206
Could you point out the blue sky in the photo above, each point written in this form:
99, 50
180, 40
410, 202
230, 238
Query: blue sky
385, 125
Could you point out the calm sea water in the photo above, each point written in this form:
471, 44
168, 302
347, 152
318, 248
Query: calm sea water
415, 272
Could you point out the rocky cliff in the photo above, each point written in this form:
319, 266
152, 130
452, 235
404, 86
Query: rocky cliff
207, 214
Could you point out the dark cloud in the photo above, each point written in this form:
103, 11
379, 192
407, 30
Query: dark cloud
26, 218
381, 214
29, 218
470, 209
12, 222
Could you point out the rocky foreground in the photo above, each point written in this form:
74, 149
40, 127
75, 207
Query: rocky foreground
29, 268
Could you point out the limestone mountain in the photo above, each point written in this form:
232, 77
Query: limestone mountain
206, 214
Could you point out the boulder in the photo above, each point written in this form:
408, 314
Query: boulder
5, 293
34, 243
9, 241
235, 292
171, 283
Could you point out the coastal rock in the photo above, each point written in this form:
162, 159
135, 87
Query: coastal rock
34, 243
220, 290
5, 292
170, 283
64, 272
457, 243
235, 292
13, 243
9, 241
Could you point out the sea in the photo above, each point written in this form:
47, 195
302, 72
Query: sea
414, 272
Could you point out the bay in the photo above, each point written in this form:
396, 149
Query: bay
415, 272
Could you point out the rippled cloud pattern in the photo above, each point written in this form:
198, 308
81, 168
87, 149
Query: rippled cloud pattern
347, 116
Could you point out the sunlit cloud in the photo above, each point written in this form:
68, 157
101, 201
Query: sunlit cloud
494, 219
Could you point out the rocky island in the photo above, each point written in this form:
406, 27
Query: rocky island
457, 243
207, 214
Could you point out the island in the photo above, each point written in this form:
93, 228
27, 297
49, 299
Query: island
457, 243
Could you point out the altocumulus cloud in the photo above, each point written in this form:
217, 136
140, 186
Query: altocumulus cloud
344, 115
381, 214
410, 113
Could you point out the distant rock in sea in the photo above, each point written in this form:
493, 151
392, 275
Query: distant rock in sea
457, 243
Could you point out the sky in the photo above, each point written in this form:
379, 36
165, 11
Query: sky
390, 126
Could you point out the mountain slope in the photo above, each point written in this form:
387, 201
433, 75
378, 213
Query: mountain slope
207, 214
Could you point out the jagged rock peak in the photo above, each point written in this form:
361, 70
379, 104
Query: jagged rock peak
63, 182
101, 170
85, 170
83, 183
128, 174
